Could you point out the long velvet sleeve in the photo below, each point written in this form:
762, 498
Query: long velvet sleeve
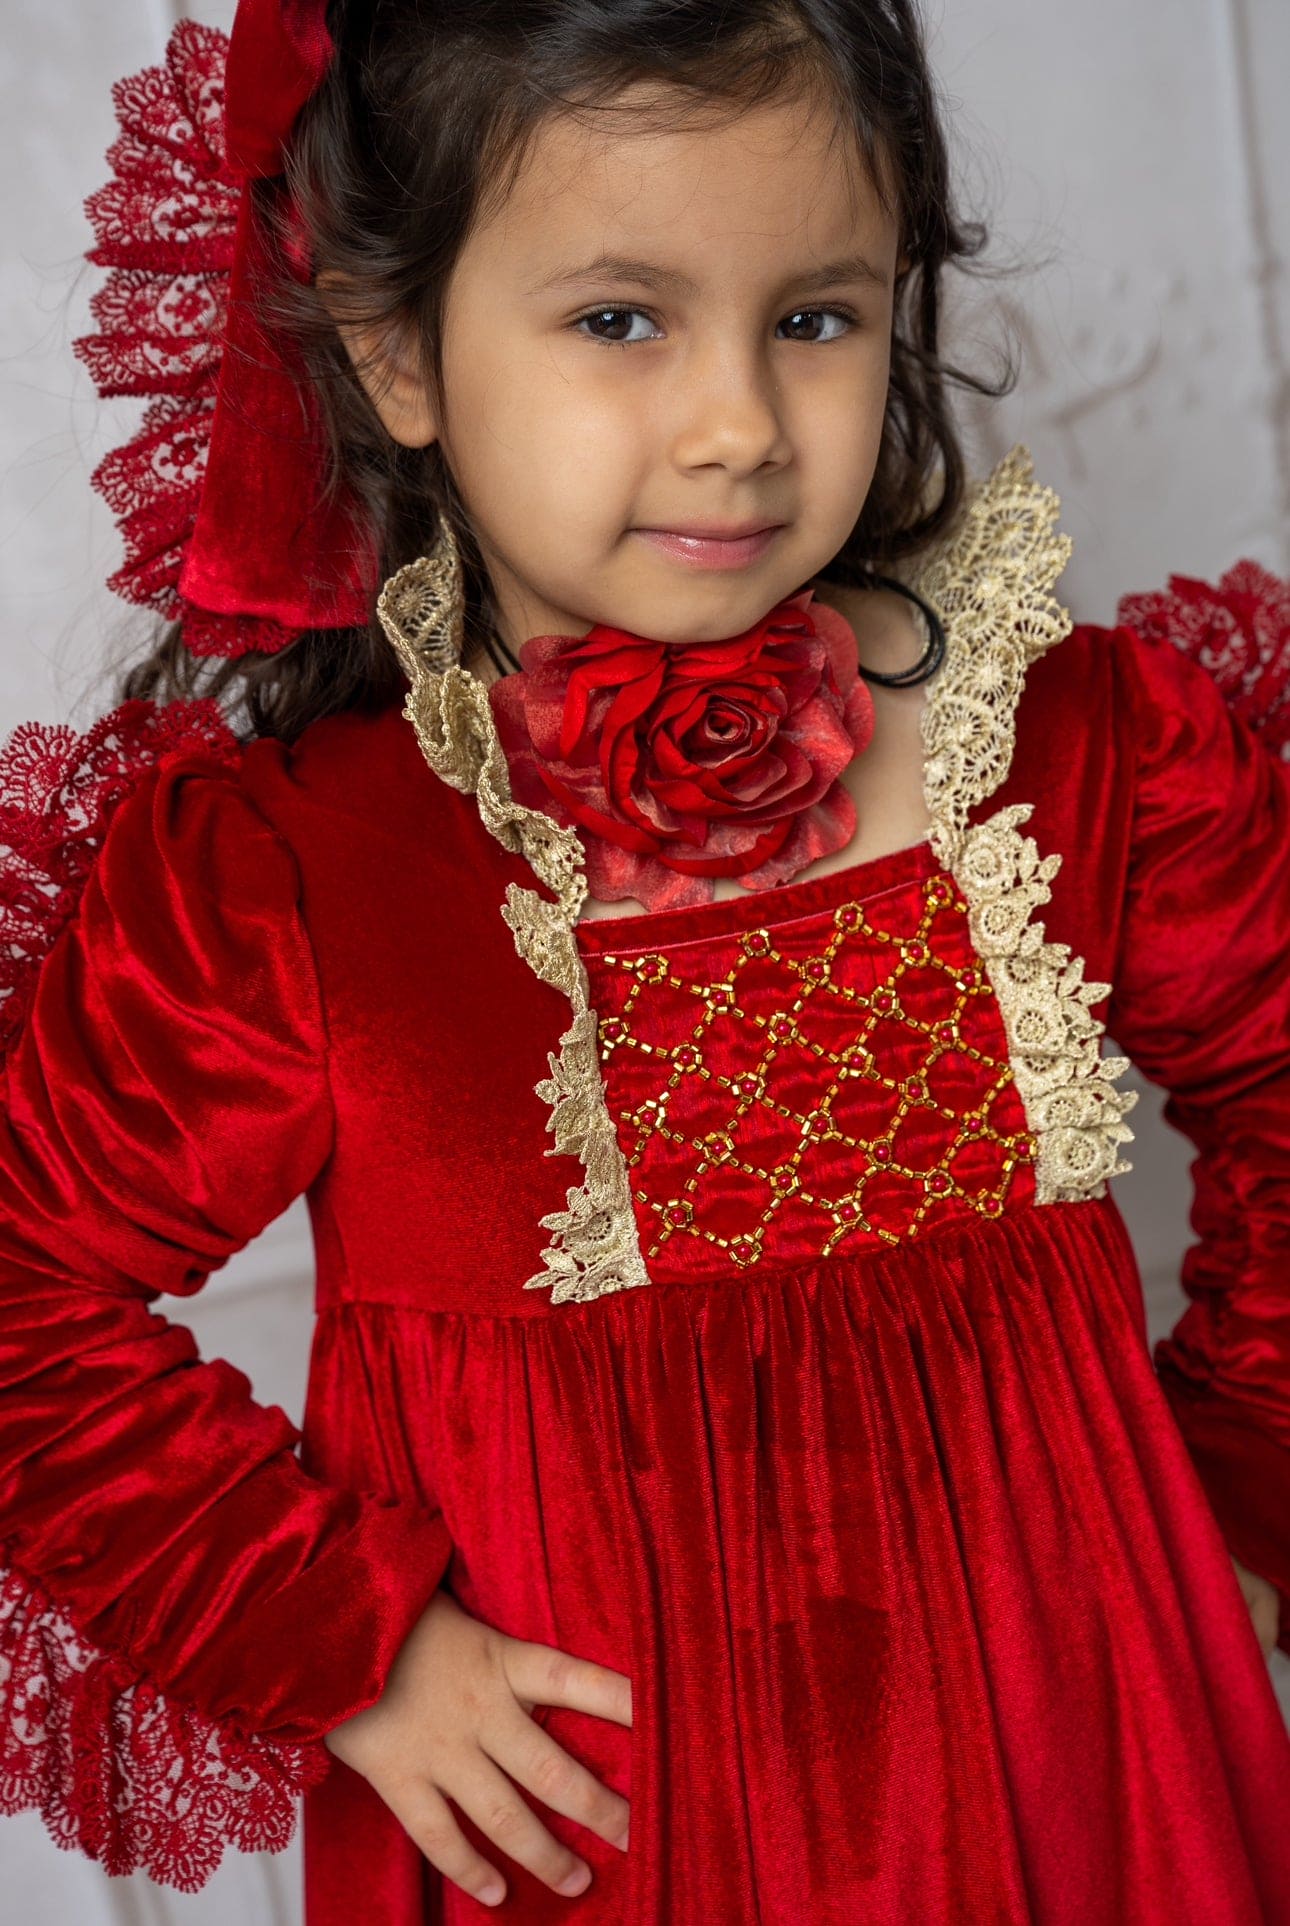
1202, 1005
183, 1611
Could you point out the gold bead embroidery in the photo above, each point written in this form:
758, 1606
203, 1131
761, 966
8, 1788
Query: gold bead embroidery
650, 1118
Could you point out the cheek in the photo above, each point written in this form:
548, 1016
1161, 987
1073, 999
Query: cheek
526, 445
839, 431
868, 384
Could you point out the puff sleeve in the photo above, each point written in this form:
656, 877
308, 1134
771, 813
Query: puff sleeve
183, 1611
1202, 1005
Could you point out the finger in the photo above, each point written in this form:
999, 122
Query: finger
533, 1759
544, 1675
488, 1797
1266, 1613
427, 1818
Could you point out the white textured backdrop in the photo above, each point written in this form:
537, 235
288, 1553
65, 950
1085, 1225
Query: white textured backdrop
1136, 157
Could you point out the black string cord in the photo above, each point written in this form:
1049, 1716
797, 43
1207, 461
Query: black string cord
933, 655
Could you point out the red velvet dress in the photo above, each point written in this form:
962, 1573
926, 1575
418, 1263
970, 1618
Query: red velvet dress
803, 1377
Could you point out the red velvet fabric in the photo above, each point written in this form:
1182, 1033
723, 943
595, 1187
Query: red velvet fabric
278, 53
920, 1570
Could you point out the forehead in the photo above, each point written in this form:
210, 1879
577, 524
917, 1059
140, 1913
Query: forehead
719, 185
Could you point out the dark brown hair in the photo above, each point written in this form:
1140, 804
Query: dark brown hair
422, 126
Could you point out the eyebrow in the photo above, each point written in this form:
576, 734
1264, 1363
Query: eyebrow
619, 267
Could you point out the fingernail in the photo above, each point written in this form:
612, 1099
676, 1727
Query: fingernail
623, 1838
577, 1882
492, 1895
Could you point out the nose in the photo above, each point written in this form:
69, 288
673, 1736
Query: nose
727, 408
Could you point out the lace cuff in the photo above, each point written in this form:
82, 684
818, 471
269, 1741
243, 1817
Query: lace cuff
120, 1773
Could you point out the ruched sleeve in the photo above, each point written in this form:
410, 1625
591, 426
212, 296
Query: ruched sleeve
183, 1611
1202, 1005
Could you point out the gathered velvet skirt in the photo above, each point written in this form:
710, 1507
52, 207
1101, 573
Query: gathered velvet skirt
926, 1614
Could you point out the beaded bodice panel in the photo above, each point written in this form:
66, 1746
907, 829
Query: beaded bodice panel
809, 1083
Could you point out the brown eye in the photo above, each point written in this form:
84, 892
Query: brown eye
826, 314
615, 317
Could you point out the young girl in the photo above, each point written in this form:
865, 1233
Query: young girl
669, 936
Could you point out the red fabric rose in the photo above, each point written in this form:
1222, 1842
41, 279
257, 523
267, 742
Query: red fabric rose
683, 761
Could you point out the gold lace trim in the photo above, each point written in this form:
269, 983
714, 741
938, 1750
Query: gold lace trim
991, 583
594, 1247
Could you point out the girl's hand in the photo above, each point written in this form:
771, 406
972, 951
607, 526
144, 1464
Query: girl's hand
1264, 1602
454, 1720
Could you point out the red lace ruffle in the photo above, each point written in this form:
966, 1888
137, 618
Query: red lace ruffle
165, 226
57, 791
1239, 632
118, 1772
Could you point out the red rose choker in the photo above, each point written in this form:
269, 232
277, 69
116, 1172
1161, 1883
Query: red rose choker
679, 762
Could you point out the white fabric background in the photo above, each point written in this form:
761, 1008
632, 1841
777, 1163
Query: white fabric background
1138, 153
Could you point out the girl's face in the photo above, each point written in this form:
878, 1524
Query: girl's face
728, 365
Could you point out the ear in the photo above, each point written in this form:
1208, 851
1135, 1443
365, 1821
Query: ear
386, 364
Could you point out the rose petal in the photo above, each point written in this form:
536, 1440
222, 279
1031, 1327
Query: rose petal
609, 828
840, 641
613, 874
730, 865
819, 831
858, 716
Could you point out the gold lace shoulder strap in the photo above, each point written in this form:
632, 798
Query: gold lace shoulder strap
991, 582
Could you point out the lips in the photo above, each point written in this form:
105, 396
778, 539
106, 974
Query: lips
711, 551
734, 533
